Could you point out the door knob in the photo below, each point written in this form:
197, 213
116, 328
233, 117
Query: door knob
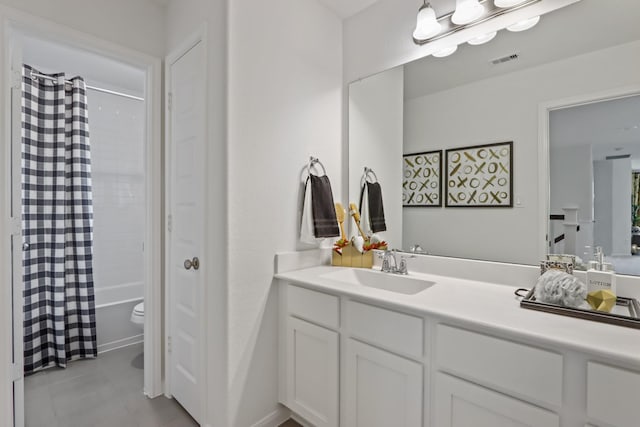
192, 263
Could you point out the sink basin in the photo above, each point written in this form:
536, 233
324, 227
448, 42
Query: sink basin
375, 279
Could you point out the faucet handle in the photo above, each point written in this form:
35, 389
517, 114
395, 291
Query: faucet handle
402, 267
417, 249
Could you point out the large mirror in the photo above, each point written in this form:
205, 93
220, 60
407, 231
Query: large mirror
496, 93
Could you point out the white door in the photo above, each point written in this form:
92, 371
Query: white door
186, 228
459, 403
312, 372
382, 389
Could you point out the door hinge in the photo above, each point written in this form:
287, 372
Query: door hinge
170, 222
169, 346
170, 100
16, 79
16, 372
16, 227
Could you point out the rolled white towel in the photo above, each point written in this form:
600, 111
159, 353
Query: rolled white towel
307, 234
358, 243
558, 287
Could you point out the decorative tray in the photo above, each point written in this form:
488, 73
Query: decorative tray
625, 313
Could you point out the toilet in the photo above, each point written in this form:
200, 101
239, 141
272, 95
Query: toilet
137, 315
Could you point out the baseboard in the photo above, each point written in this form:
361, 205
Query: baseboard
275, 418
125, 342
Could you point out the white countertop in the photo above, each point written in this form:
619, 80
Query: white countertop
487, 306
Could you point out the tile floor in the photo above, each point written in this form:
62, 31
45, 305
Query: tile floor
103, 392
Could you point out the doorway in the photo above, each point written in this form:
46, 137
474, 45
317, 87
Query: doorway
123, 101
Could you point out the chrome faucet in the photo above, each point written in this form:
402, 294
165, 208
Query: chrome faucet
389, 258
417, 249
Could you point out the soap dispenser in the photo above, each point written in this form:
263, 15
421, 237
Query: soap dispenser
600, 275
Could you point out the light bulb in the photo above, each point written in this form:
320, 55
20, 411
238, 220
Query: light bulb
427, 25
467, 11
485, 38
508, 3
524, 25
445, 52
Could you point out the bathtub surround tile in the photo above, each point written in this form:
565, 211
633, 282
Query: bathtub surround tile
101, 392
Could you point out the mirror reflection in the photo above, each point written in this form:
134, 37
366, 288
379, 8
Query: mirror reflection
485, 95
594, 153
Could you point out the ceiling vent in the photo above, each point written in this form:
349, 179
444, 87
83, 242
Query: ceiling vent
621, 156
504, 59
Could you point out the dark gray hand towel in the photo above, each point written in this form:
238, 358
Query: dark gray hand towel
325, 223
376, 208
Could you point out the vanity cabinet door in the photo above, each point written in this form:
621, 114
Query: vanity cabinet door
312, 372
382, 389
458, 403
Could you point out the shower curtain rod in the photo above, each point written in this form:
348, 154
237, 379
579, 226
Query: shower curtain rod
99, 89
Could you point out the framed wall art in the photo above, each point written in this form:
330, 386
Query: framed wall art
480, 176
422, 179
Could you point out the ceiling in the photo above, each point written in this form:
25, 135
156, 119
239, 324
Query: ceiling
579, 28
347, 8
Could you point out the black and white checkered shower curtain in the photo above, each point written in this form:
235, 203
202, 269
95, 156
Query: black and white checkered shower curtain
57, 220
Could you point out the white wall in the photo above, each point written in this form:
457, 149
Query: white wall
571, 177
504, 108
571, 184
118, 177
375, 141
285, 104
284, 96
620, 191
603, 183
612, 185
137, 24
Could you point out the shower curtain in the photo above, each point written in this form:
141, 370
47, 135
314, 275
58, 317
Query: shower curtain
57, 220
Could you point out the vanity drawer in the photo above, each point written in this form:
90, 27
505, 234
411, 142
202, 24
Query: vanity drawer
398, 332
508, 366
317, 307
613, 395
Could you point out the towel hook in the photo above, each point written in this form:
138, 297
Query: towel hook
368, 173
313, 161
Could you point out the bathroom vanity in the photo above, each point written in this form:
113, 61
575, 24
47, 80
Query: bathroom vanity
446, 352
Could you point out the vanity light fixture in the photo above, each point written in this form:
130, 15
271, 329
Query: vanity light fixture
467, 11
446, 51
508, 3
427, 25
524, 25
485, 38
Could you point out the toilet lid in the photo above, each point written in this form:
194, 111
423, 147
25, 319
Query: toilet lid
139, 309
